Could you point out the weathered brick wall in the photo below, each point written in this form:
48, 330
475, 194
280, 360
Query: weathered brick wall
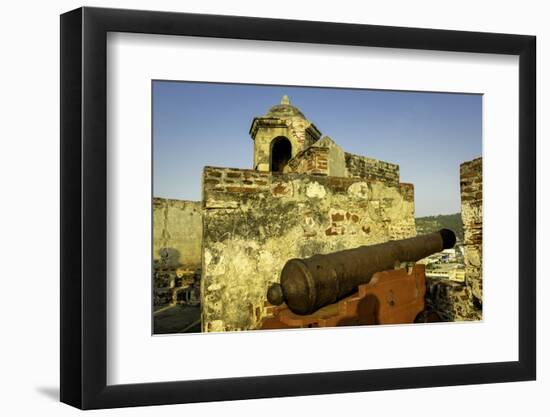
371, 169
313, 160
255, 221
177, 247
456, 301
324, 157
471, 193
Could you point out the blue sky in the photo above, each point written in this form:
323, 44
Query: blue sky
427, 134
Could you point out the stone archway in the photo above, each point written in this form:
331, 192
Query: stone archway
281, 152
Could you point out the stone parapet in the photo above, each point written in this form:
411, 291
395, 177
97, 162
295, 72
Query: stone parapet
371, 169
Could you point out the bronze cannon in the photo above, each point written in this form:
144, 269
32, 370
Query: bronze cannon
309, 284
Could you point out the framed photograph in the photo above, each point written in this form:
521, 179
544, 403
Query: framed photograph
259, 208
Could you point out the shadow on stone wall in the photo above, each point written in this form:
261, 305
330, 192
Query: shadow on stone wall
169, 258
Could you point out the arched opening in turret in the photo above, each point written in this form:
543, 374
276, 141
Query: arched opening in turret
281, 152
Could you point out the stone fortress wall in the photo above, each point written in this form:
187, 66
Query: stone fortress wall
177, 248
457, 301
371, 169
255, 221
471, 191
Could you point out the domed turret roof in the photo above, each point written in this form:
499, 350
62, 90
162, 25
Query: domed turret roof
284, 110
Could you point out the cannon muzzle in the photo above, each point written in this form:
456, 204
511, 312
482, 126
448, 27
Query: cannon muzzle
308, 284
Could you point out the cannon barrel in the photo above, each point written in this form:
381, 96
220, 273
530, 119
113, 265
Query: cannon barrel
308, 284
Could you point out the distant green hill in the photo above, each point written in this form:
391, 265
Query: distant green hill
434, 223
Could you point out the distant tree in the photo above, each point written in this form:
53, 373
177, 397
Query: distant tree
429, 224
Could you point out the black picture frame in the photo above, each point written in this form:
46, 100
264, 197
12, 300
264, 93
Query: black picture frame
84, 207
